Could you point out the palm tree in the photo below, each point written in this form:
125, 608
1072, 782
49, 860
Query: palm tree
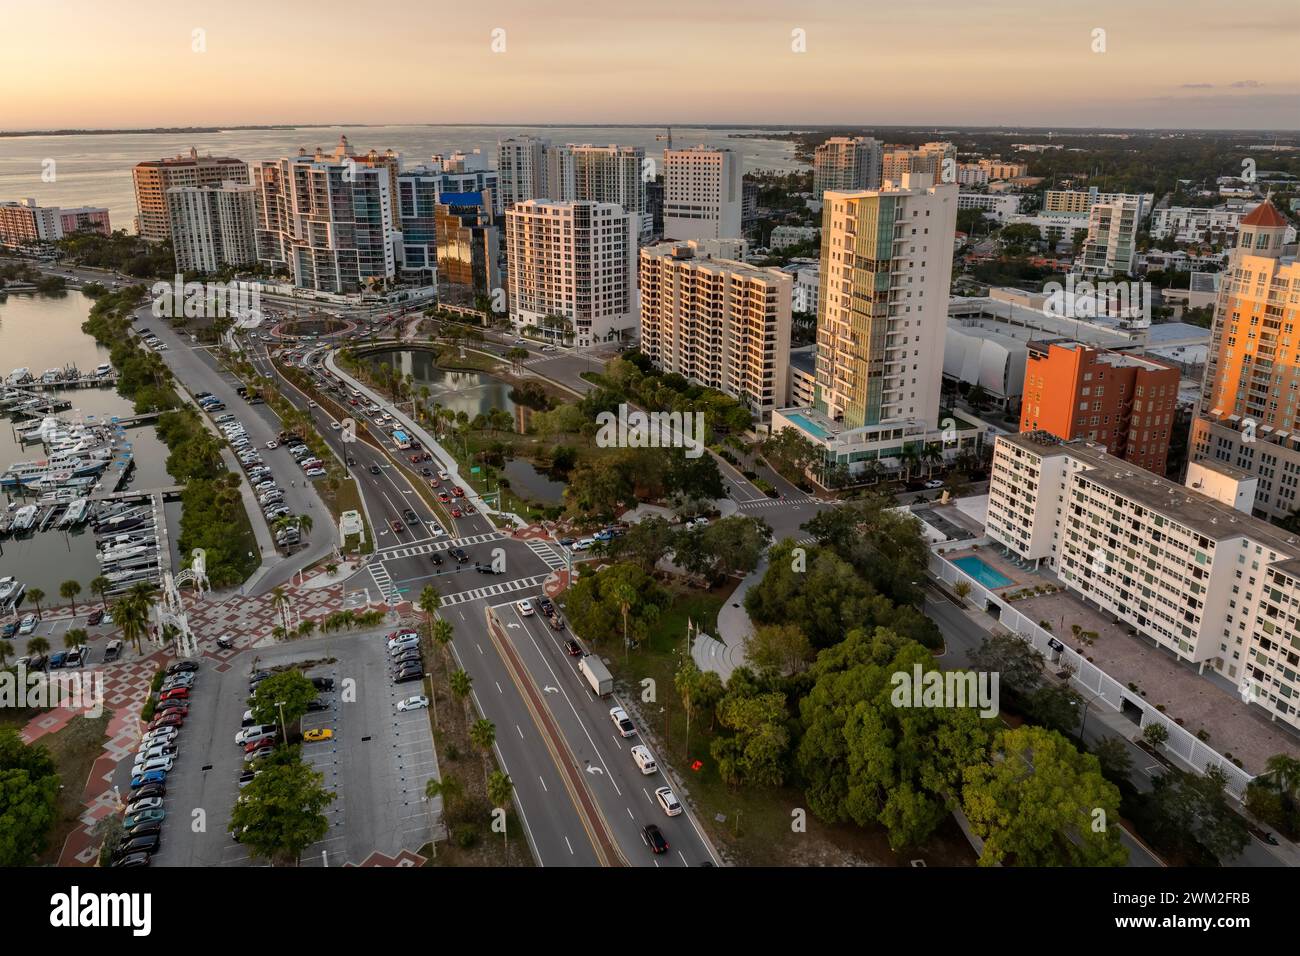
306, 628
442, 634
499, 790
461, 684
624, 594
6, 648
279, 600
483, 734
428, 603
450, 789
132, 615
100, 585
36, 596
37, 646
304, 525
1283, 772
74, 637
70, 590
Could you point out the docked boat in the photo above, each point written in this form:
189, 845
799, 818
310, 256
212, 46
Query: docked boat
11, 591
76, 513
119, 554
122, 540
24, 518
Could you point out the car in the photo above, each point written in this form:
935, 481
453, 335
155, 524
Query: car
318, 733
95, 617
654, 839
644, 760
144, 829
144, 816
173, 706
409, 675
261, 743
622, 723
169, 719
455, 512
140, 804
458, 491
351, 461
605, 535
154, 751
315, 472
583, 544
246, 777
265, 485
148, 790
410, 656
374, 470
257, 755
182, 666
524, 607
10, 629
335, 426
311, 405
443, 476
256, 732
316, 705
411, 517
272, 445
459, 554
444, 497
397, 650
147, 778
417, 702
181, 679
323, 683
131, 859
468, 508
573, 647
160, 737
426, 472
396, 526
414, 459
436, 558
27, 624
482, 568
933, 483
174, 694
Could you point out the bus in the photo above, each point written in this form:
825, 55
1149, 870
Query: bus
401, 439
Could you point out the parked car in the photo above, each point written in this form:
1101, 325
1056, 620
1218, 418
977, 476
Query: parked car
144, 816
318, 733
412, 703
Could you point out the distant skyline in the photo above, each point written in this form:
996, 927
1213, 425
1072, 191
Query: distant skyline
1196, 64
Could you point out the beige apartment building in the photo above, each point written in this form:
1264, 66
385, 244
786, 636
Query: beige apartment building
1250, 399
845, 163
1187, 566
937, 160
719, 322
154, 177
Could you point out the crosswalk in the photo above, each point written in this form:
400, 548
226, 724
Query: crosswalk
414, 550
492, 590
548, 554
771, 503
383, 580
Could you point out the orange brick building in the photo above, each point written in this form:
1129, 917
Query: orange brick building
1125, 402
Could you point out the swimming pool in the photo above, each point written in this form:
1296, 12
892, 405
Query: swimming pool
810, 427
982, 572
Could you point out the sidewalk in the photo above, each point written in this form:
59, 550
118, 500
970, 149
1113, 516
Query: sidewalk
445, 460
724, 654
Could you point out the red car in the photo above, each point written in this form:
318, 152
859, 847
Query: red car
455, 512
396, 526
415, 459
458, 491
176, 693
257, 745
353, 401
443, 497
167, 720
96, 616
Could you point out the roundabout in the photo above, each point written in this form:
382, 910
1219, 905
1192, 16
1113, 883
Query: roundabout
313, 328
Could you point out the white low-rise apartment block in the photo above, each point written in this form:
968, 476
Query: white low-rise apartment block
784, 236
574, 261
997, 206
1188, 567
719, 322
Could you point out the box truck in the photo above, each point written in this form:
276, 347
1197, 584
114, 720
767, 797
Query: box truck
597, 675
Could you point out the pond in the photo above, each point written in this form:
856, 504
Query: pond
535, 485
470, 392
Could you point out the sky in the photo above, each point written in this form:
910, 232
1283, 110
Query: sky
1052, 63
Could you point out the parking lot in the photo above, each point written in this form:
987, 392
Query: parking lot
377, 762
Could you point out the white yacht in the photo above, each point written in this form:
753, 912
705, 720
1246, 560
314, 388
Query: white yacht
24, 518
11, 591
75, 514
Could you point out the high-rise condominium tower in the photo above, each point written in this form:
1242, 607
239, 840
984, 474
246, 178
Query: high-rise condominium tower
845, 163
212, 226
1250, 398
521, 169
154, 177
703, 191
598, 173
573, 262
886, 267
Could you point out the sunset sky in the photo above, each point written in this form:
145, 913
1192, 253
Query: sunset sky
1191, 63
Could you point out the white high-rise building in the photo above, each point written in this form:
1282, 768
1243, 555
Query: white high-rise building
212, 226
845, 163
329, 221
703, 193
521, 169
572, 265
1112, 237
719, 322
600, 174
883, 309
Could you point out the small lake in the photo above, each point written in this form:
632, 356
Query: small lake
528, 482
470, 392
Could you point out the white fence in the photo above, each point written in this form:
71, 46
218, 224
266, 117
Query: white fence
1182, 744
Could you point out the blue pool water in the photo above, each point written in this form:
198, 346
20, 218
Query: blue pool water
815, 430
988, 576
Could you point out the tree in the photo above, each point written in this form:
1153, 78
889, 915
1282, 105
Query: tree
784, 648
282, 811
36, 596
100, 585
37, 646
69, 591
1113, 755
461, 685
29, 787
612, 601
430, 601
977, 397
289, 688
1054, 706
732, 545
1040, 802
442, 634
6, 649
500, 790
1190, 810
75, 637
1015, 659
1155, 734
646, 542
756, 752
131, 614
483, 734
962, 590
452, 792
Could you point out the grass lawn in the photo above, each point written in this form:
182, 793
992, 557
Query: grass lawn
74, 749
750, 827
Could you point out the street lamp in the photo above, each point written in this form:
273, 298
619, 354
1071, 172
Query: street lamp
284, 733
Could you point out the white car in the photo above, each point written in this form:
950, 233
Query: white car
525, 608
443, 476
311, 404
934, 483
412, 703
667, 801
28, 624
272, 445
334, 425
622, 723
584, 544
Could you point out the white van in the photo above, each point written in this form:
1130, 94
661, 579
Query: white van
643, 759
255, 733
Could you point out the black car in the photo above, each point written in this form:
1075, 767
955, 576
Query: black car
573, 647
436, 558
148, 790
411, 517
374, 470
482, 568
351, 460
411, 657
258, 675
144, 844
408, 676
132, 859
176, 704
655, 838
182, 667
544, 605
323, 683
144, 830
314, 706
459, 554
